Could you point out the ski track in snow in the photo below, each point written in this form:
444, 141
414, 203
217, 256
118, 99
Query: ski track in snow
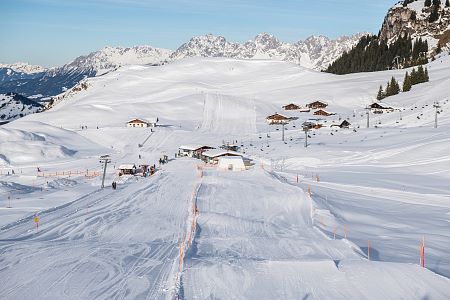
108, 239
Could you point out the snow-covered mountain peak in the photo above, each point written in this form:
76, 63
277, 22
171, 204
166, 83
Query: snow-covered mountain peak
23, 67
315, 52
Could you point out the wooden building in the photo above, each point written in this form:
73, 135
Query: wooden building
193, 150
138, 122
127, 169
322, 112
277, 119
377, 108
344, 124
316, 105
291, 106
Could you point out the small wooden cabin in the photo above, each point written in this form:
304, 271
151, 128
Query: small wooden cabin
138, 122
127, 169
379, 109
322, 112
291, 106
277, 119
316, 105
344, 124
193, 150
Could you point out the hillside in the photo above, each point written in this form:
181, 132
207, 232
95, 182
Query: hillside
14, 106
257, 231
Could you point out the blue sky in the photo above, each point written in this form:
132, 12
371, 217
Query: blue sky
53, 32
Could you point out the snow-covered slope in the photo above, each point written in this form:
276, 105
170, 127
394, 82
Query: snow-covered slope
258, 233
316, 52
14, 106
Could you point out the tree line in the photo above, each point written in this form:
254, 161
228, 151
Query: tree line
393, 87
372, 54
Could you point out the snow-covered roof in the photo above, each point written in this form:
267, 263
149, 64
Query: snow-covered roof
127, 166
220, 152
141, 120
194, 147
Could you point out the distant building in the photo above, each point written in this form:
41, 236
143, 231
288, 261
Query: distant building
193, 150
212, 156
316, 105
322, 112
127, 169
137, 122
277, 119
344, 124
291, 106
379, 109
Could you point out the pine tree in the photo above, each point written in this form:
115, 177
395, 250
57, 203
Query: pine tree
380, 95
434, 16
427, 78
447, 3
427, 3
413, 77
407, 83
420, 75
436, 2
394, 87
387, 92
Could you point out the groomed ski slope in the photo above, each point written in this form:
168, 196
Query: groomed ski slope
107, 244
259, 234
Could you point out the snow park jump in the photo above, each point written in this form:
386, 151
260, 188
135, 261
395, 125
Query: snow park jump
314, 169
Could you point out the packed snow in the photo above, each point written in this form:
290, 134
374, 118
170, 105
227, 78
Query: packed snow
295, 225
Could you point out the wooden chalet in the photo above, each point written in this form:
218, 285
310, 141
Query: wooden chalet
193, 150
277, 119
378, 108
344, 124
316, 105
127, 169
291, 106
324, 113
312, 124
138, 122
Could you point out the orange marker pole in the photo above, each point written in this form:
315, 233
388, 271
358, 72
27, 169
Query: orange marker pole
422, 253
345, 231
297, 178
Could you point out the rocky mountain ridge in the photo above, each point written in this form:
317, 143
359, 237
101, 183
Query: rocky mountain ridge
413, 18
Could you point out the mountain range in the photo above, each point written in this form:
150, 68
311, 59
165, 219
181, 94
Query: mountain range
316, 52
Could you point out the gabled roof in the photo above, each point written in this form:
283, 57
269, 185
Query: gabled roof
323, 111
194, 147
127, 166
220, 152
277, 116
141, 120
379, 106
291, 104
318, 102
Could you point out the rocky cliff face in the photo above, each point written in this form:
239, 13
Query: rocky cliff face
413, 19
